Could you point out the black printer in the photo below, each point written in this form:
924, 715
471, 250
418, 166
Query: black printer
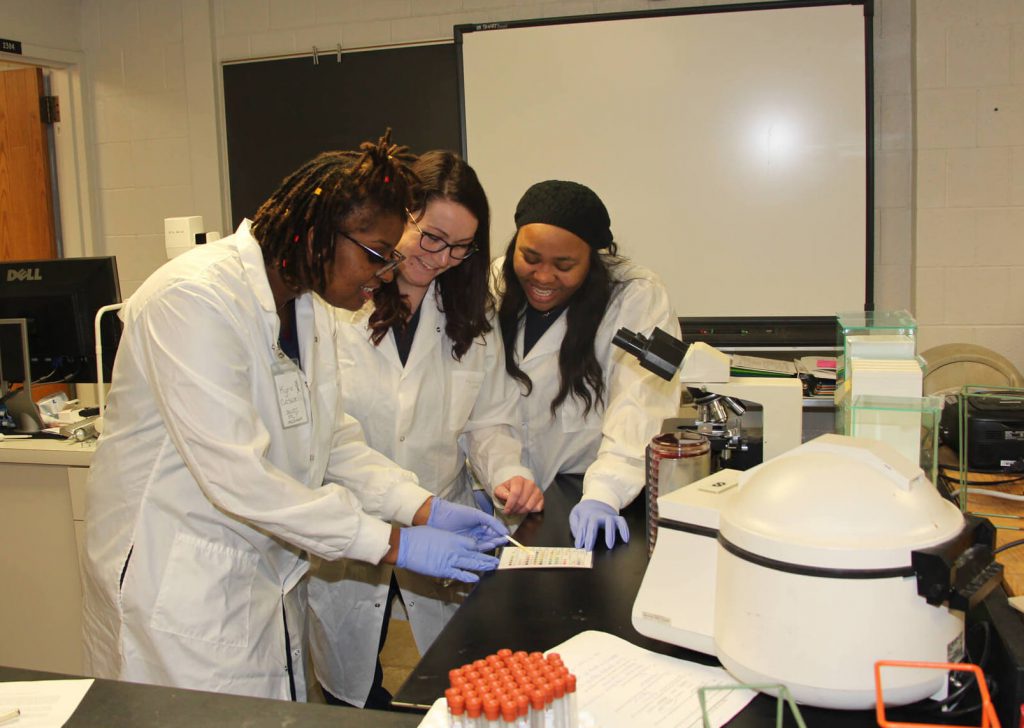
995, 431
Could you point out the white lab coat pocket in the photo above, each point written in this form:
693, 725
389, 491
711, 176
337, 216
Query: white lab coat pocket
464, 388
206, 592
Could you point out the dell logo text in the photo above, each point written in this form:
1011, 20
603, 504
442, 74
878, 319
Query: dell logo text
24, 274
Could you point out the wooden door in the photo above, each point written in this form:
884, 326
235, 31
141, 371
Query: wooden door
26, 202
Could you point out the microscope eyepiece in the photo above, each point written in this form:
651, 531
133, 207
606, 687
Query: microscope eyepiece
632, 342
660, 353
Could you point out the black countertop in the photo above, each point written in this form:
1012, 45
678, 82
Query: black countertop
530, 610
113, 704
534, 610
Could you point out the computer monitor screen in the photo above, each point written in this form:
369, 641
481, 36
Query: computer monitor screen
59, 300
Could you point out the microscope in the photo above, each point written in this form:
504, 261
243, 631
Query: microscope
719, 398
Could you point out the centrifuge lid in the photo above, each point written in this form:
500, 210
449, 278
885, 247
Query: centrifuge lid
838, 503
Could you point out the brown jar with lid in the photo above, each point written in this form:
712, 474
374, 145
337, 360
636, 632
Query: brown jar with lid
674, 459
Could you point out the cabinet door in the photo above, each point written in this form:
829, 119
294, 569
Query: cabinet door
41, 612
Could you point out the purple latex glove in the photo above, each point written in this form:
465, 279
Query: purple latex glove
486, 530
590, 516
442, 554
484, 502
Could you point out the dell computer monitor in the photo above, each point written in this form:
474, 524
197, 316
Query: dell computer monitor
58, 299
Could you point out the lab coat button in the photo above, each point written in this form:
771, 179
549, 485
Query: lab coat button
377, 605
312, 457
402, 438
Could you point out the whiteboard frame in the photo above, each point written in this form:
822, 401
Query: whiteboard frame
629, 247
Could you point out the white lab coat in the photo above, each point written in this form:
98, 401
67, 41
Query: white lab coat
608, 444
203, 502
415, 415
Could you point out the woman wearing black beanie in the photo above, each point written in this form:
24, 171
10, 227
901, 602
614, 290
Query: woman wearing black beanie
585, 405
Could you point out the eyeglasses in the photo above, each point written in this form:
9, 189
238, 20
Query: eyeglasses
433, 244
387, 262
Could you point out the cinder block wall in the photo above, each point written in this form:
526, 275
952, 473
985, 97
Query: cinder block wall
969, 192
949, 168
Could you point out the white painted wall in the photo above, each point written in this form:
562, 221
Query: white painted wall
893, 153
44, 23
969, 196
156, 130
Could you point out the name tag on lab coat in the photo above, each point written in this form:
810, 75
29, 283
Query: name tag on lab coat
290, 397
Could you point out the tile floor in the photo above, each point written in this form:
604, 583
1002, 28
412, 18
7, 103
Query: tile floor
399, 655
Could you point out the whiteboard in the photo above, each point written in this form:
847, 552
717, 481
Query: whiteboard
729, 147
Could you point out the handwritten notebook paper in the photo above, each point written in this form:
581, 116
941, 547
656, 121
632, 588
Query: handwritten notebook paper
621, 685
545, 557
43, 703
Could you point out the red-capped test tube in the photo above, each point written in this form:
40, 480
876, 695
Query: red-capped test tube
572, 704
523, 710
492, 712
508, 713
456, 711
559, 705
474, 706
536, 708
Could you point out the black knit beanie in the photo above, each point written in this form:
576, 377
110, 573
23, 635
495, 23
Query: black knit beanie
570, 206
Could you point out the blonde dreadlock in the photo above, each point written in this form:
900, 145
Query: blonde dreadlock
319, 196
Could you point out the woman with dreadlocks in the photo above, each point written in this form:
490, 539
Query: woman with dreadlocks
586, 406
441, 396
227, 459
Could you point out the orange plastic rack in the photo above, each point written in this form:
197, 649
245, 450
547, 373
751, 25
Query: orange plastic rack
988, 711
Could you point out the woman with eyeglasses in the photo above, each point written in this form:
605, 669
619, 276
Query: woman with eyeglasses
227, 461
585, 406
423, 373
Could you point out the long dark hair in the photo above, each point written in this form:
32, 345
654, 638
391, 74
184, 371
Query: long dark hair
319, 196
462, 291
579, 370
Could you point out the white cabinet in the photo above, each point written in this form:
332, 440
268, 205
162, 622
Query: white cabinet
42, 519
